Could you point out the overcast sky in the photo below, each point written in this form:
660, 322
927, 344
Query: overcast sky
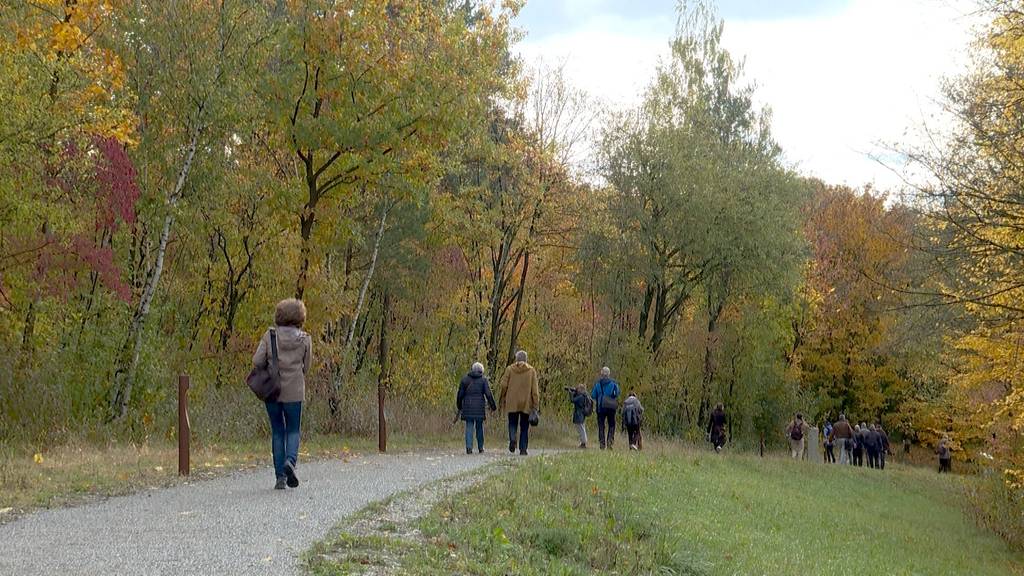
842, 77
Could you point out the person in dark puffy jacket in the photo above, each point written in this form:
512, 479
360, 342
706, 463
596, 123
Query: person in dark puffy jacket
473, 399
716, 427
872, 445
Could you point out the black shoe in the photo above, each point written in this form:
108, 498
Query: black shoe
289, 470
280, 484
523, 453
469, 450
583, 446
480, 451
512, 447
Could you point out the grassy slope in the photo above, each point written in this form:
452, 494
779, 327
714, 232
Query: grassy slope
676, 512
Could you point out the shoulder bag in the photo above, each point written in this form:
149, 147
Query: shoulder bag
265, 381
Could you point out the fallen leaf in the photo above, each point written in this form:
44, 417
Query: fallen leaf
5, 510
38, 458
159, 468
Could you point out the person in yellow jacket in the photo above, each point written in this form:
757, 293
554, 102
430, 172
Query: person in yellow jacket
520, 397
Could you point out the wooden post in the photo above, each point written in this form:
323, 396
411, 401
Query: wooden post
184, 429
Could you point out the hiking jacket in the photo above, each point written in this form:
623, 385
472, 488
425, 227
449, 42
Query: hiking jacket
294, 355
632, 403
520, 389
717, 421
841, 431
604, 387
885, 440
872, 441
474, 397
579, 406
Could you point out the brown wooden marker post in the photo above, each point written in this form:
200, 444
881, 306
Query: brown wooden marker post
382, 378
184, 428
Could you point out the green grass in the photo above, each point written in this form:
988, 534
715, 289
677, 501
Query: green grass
673, 511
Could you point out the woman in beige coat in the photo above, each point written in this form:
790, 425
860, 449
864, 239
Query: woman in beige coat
520, 395
295, 354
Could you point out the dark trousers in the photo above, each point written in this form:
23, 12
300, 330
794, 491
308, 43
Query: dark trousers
518, 421
634, 435
945, 465
471, 425
830, 453
858, 457
606, 419
873, 459
284, 430
881, 459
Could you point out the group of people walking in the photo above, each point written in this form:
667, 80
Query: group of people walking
285, 350
520, 401
854, 442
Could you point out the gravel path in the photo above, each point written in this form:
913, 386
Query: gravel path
232, 525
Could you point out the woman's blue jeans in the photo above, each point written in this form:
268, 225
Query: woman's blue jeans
478, 424
284, 428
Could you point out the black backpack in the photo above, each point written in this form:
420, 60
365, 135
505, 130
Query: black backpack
631, 415
797, 432
588, 406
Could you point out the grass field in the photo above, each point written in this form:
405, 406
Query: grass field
674, 511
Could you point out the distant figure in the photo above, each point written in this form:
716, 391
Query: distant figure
295, 354
716, 427
945, 455
858, 446
872, 445
606, 397
842, 435
582, 406
520, 395
826, 433
632, 418
885, 446
906, 447
474, 395
796, 431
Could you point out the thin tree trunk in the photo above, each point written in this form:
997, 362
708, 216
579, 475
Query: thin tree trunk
124, 376
516, 327
382, 377
362, 296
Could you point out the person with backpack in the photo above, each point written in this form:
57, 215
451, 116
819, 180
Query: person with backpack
520, 399
716, 427
945, 456
632, 418
473, 397
842, 435
606, 399
826, 434
582, 406
796, 431
293, 351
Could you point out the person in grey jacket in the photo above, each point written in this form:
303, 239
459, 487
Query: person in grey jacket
472, 400
295, 355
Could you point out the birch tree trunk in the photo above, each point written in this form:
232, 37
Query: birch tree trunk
124, 376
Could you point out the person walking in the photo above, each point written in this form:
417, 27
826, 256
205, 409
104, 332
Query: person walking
582, 406
520, 396
632, 418
472, 400
716, 427
858, 446
294, 350
872, 445
796, 431
606, 397
945, 456
826, 434
842, 436
885, 446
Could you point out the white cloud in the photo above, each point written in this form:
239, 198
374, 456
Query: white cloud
839, 85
